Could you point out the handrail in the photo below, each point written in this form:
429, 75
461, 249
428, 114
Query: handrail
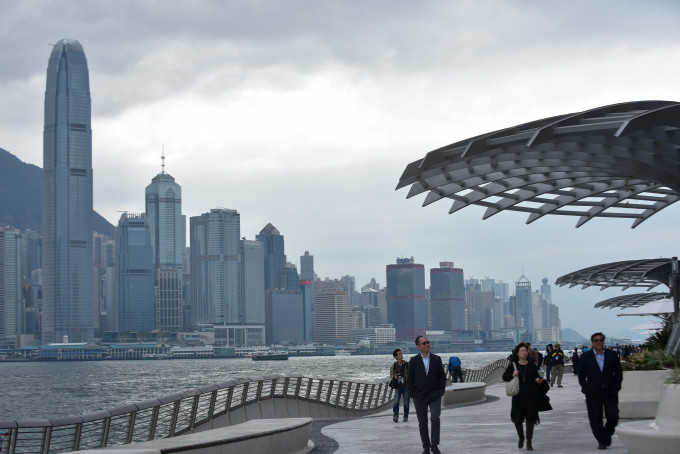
485, 373
180, 413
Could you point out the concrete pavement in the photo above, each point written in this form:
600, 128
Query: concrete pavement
483, 428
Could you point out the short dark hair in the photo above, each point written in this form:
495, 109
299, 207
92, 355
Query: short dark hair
394, 353
598, 334
418, 338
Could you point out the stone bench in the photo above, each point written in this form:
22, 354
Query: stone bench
463, 394
640, 393
661, 436
285, 436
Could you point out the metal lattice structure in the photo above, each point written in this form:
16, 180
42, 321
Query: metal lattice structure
628, 301
619, 161
626, 274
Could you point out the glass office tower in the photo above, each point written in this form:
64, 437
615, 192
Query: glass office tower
406, 298
164, 212
67, 198
135, 278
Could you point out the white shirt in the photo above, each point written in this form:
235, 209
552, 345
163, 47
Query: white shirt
600, 359
426, 362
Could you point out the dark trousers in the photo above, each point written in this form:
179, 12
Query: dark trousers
597, 402
457, 374
435, 412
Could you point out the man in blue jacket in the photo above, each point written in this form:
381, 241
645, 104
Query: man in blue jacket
426, 382
600, 376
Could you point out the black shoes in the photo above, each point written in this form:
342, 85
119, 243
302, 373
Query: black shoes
435, 450
602, 446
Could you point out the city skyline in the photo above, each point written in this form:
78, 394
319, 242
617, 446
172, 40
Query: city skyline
307, 123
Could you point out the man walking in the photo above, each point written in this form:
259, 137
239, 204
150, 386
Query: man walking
600, 376
426, 382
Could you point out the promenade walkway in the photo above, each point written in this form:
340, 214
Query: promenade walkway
483, 428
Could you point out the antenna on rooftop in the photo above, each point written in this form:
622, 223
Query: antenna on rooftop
163, 160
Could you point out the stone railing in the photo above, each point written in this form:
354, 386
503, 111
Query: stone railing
208, 407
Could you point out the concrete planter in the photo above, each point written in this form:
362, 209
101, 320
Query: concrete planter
641, 392
661, 436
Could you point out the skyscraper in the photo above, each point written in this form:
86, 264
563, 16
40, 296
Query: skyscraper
216, 267
11, 305
307, 267
406, 298
164, 212
67, 197
135, 277
253, 282
274, 253
331, 316
447, 297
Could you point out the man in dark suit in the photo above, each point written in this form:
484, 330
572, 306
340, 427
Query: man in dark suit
426, 382
600, 376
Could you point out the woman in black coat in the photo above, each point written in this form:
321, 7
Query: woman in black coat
524, 404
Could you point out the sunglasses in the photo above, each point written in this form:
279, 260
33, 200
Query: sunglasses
425, 343
598, 340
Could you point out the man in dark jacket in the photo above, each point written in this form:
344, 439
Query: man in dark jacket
600, 376
426, 382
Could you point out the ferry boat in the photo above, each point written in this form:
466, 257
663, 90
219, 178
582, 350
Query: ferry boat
270, 356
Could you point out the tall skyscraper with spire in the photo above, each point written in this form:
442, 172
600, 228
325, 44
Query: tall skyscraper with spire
164, 212
67, 198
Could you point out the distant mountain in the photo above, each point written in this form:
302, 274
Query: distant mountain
570, 335
21, 196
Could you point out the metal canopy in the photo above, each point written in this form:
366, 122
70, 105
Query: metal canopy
628, 301
626, 274
619, 161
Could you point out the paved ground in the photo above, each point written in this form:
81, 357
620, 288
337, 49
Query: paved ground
481, 428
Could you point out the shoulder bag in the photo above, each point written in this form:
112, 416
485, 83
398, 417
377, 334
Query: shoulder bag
512, 387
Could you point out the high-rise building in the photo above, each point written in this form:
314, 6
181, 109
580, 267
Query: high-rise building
307, 267
253, 282
134, 274
331, 316
168, 299
287, 278
216, 267
406, 298
11, 303
67, 198
285, 317
524, 308
164, 212
447, 297
274, 254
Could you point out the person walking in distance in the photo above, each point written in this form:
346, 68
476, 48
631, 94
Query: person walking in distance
399, 370
547, 360
600, 376
525, 404
557, 366
426, 384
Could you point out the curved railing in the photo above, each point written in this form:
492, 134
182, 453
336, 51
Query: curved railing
186, 411
180, 413
489, 374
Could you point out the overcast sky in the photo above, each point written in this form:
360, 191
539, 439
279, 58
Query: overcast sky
305, 113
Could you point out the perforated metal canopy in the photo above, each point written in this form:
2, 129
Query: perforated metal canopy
626, 274
619, 161
628, 301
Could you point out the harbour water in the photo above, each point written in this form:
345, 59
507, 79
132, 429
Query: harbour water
39, 389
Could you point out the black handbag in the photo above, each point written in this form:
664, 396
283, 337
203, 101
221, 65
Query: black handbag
394, 383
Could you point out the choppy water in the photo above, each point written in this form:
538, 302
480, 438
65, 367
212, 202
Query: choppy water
55, 389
